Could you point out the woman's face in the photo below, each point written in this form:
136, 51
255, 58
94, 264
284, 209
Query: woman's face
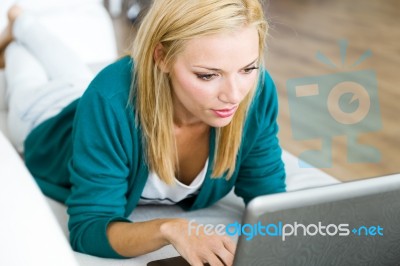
212, 76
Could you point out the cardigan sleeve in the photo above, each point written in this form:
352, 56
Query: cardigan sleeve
98, 174
261, 169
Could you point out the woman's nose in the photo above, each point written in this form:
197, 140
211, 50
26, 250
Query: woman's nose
231, 91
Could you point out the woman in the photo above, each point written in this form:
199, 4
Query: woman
189, 116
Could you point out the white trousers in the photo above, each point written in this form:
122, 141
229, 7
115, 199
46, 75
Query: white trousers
43, 76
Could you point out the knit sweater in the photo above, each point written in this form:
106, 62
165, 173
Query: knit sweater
91, 157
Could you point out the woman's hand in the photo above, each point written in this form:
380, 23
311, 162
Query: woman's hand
196, 246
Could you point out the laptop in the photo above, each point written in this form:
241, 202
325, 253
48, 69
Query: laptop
352, 223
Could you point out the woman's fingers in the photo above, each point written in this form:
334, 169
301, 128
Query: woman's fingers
229, 244
199, 247
208, 254
213, 260
194, 260
225, 256
213, 250
226, 250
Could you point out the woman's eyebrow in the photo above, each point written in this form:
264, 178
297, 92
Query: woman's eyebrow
216, 69
254, 61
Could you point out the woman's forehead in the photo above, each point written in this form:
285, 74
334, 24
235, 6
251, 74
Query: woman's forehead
240, 47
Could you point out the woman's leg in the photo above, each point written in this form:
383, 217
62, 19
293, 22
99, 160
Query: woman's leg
25, 77
59, 61
33, 98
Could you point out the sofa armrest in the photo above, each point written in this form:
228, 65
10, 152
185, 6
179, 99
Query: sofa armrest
29, 231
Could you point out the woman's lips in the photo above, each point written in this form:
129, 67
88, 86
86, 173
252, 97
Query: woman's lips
224, 113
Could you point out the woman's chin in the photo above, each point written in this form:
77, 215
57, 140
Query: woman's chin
219, 122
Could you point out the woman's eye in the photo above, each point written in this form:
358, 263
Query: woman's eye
249, 70
206, 77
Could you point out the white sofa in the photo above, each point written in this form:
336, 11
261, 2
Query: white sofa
34, 227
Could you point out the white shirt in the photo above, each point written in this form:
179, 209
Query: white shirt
157, 192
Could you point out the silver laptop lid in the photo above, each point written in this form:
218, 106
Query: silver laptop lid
354, 223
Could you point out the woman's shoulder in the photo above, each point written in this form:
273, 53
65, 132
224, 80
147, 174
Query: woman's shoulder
265, 99
115, 79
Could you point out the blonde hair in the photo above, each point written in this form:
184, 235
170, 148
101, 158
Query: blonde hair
172, 23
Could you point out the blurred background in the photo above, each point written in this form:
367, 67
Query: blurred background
336, 65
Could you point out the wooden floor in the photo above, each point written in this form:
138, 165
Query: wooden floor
299, 29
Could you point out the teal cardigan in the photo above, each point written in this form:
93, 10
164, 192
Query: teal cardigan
90, 156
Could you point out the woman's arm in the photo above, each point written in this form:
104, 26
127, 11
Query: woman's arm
133, 239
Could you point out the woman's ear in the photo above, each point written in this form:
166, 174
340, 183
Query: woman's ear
159, 58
